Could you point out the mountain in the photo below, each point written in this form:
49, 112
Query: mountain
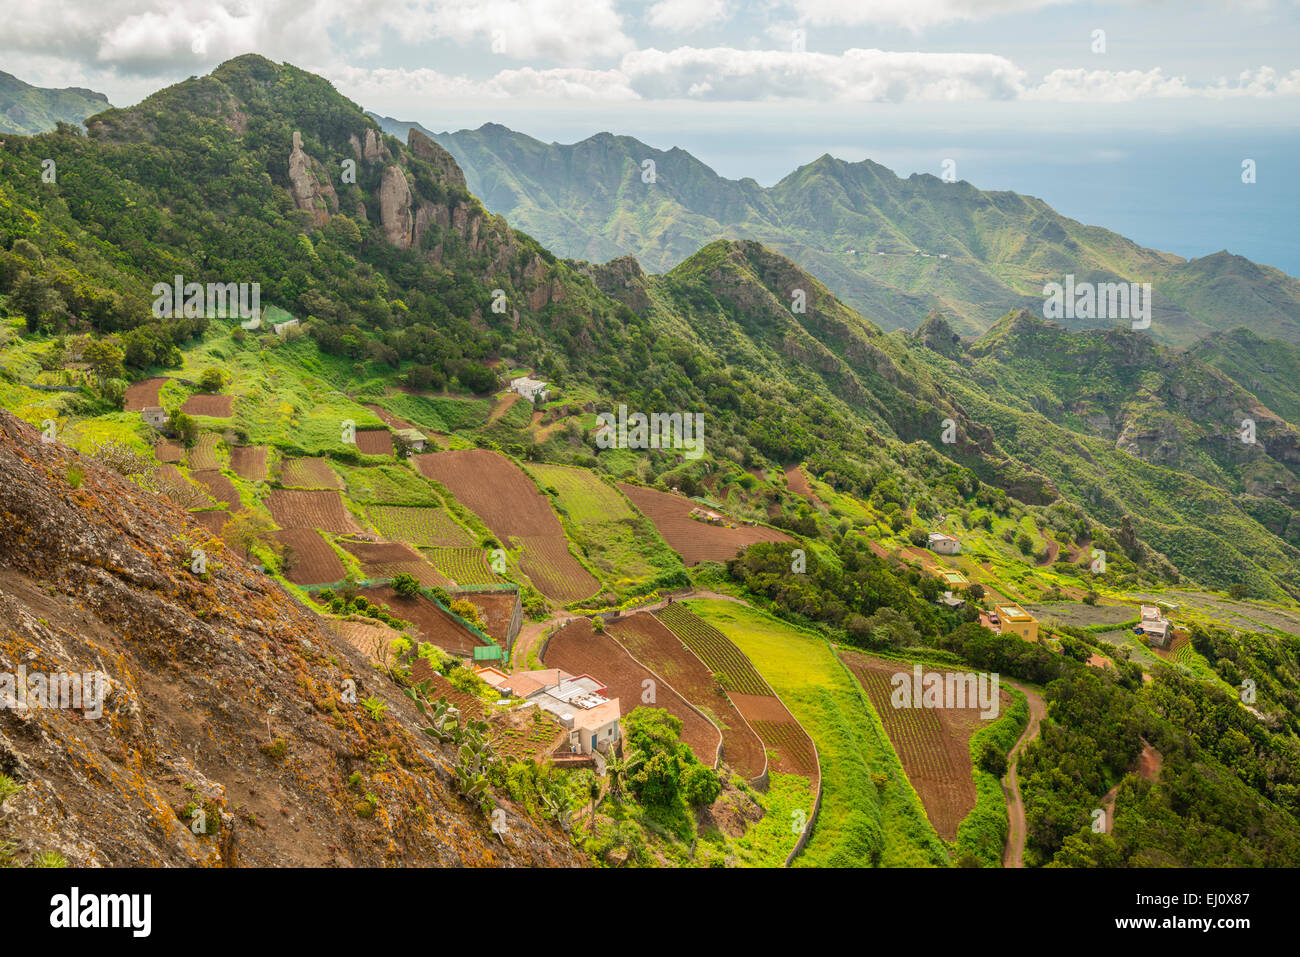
832, 445
893, 249
224, 694
1268, 368
27, 109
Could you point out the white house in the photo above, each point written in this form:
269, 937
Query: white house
534, 390
579, 702
282, 327
944, 544
414, 439
154, 416
1154, 625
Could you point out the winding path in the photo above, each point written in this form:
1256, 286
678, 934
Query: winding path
1013, 855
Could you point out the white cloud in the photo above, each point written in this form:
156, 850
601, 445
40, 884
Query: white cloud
683, 16
1118, 86
912, 14
399, 85
572, 31
724, 73
155, 37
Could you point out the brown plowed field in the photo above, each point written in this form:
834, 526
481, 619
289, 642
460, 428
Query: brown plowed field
652, 643
219, 487
550, 566
203, 403
435, 625
213, 520
798, 483
695, 541
578, 649
497, 608
308, 473
777, 728
143, 394
173, 453
297, 508
374, 442
371, 639
249, 462
932, 743
512, 507
314, 561
390, 559
204, 453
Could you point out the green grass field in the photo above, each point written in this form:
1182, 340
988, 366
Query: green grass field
870, 815
617, 542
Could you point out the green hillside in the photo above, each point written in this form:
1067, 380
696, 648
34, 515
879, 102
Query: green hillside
891, 248
27, 109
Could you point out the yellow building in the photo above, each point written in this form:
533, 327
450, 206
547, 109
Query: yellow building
1015, 620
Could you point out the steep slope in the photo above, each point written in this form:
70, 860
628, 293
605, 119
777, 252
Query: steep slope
27, 109
226, 695
894, 249
1269, 368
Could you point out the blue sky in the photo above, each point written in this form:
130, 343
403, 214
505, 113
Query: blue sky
1130, 130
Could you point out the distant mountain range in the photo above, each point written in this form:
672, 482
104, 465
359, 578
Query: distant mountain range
894, 249
28, 110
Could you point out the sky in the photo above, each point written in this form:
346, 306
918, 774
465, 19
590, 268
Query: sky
1136, 115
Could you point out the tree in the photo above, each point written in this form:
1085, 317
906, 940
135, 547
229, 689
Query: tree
993, 760
246, 530
184, 427
34, 300
211, 380
700, 785
104, 357
976, 591
406, 585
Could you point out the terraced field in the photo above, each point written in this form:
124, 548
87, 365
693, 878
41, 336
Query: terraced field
380, 560
551, 567
650, 641
249, 462
465, 565
219, 487
421, 527
313, 561
508, 502
374, 442
204, 453
715, 649
143, 394
168, 451
579, 649
587, 499
433, 624
312, 472
694, 540
932, 743
299, 508
216, 406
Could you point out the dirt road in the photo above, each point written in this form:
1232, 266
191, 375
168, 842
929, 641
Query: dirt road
1013, 855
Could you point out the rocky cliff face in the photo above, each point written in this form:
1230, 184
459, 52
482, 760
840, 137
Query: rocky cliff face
311, 192
226, 696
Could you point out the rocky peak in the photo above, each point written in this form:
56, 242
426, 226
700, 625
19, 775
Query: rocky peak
426, 149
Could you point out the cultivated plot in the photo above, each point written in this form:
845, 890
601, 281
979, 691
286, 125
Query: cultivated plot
693, 539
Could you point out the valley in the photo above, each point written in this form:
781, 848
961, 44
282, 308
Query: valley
396, 484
